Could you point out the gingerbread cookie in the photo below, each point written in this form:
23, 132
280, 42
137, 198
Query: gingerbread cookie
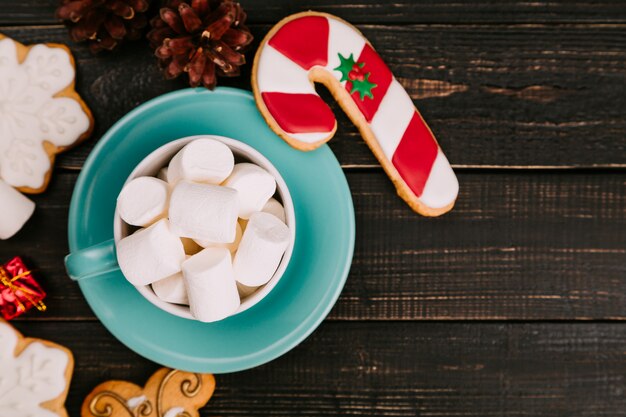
40, 112
317, 47
34, 375
168, 393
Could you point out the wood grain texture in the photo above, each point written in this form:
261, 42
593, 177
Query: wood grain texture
503, 84
368, 11
523, 246
396, 369
495, 96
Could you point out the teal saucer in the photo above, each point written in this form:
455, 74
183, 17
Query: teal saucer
303, 297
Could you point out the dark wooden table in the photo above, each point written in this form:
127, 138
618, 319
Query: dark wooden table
512, 304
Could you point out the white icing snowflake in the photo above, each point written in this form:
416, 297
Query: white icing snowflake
30, 114
36, 376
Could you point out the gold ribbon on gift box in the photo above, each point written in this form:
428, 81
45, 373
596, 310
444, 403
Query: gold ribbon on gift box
8, 282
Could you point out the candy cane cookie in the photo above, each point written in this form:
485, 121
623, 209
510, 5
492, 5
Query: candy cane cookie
317, 47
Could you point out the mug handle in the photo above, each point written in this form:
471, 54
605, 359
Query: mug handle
92, 262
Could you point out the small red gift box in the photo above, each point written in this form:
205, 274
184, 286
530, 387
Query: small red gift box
19, 291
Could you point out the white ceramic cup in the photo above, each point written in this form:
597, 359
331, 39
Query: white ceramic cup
160, 158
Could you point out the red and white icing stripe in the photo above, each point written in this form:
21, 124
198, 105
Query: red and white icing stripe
316, 41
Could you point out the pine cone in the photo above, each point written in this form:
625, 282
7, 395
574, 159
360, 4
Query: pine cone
201, 39
104, 23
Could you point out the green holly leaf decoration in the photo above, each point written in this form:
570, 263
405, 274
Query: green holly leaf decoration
363, 87
351, 71
345, 66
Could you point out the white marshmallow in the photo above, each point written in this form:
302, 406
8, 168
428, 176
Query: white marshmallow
232, 247
210, 285
143, 201
262, 247
204, 212
202, 160
151, 254
15, 210
255, 186
190, 246
171, 289
275, 208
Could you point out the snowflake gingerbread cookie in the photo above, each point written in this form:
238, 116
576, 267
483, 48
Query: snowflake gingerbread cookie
41, 115
313, 47
34, 375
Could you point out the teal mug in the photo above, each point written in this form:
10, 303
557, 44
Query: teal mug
99, 260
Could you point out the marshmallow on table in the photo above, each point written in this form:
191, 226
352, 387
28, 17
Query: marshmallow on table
171, 289
202, 160
262, 247
232, 247
255, 186
275, 208
211, 285
143, 201
204, 212
150, 254
15, 210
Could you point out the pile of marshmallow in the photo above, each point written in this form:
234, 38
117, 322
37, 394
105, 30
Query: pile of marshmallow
210, 230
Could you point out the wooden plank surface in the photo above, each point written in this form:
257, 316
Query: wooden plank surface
396, 369
523, 246
496, 96
513, 90
367, 11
